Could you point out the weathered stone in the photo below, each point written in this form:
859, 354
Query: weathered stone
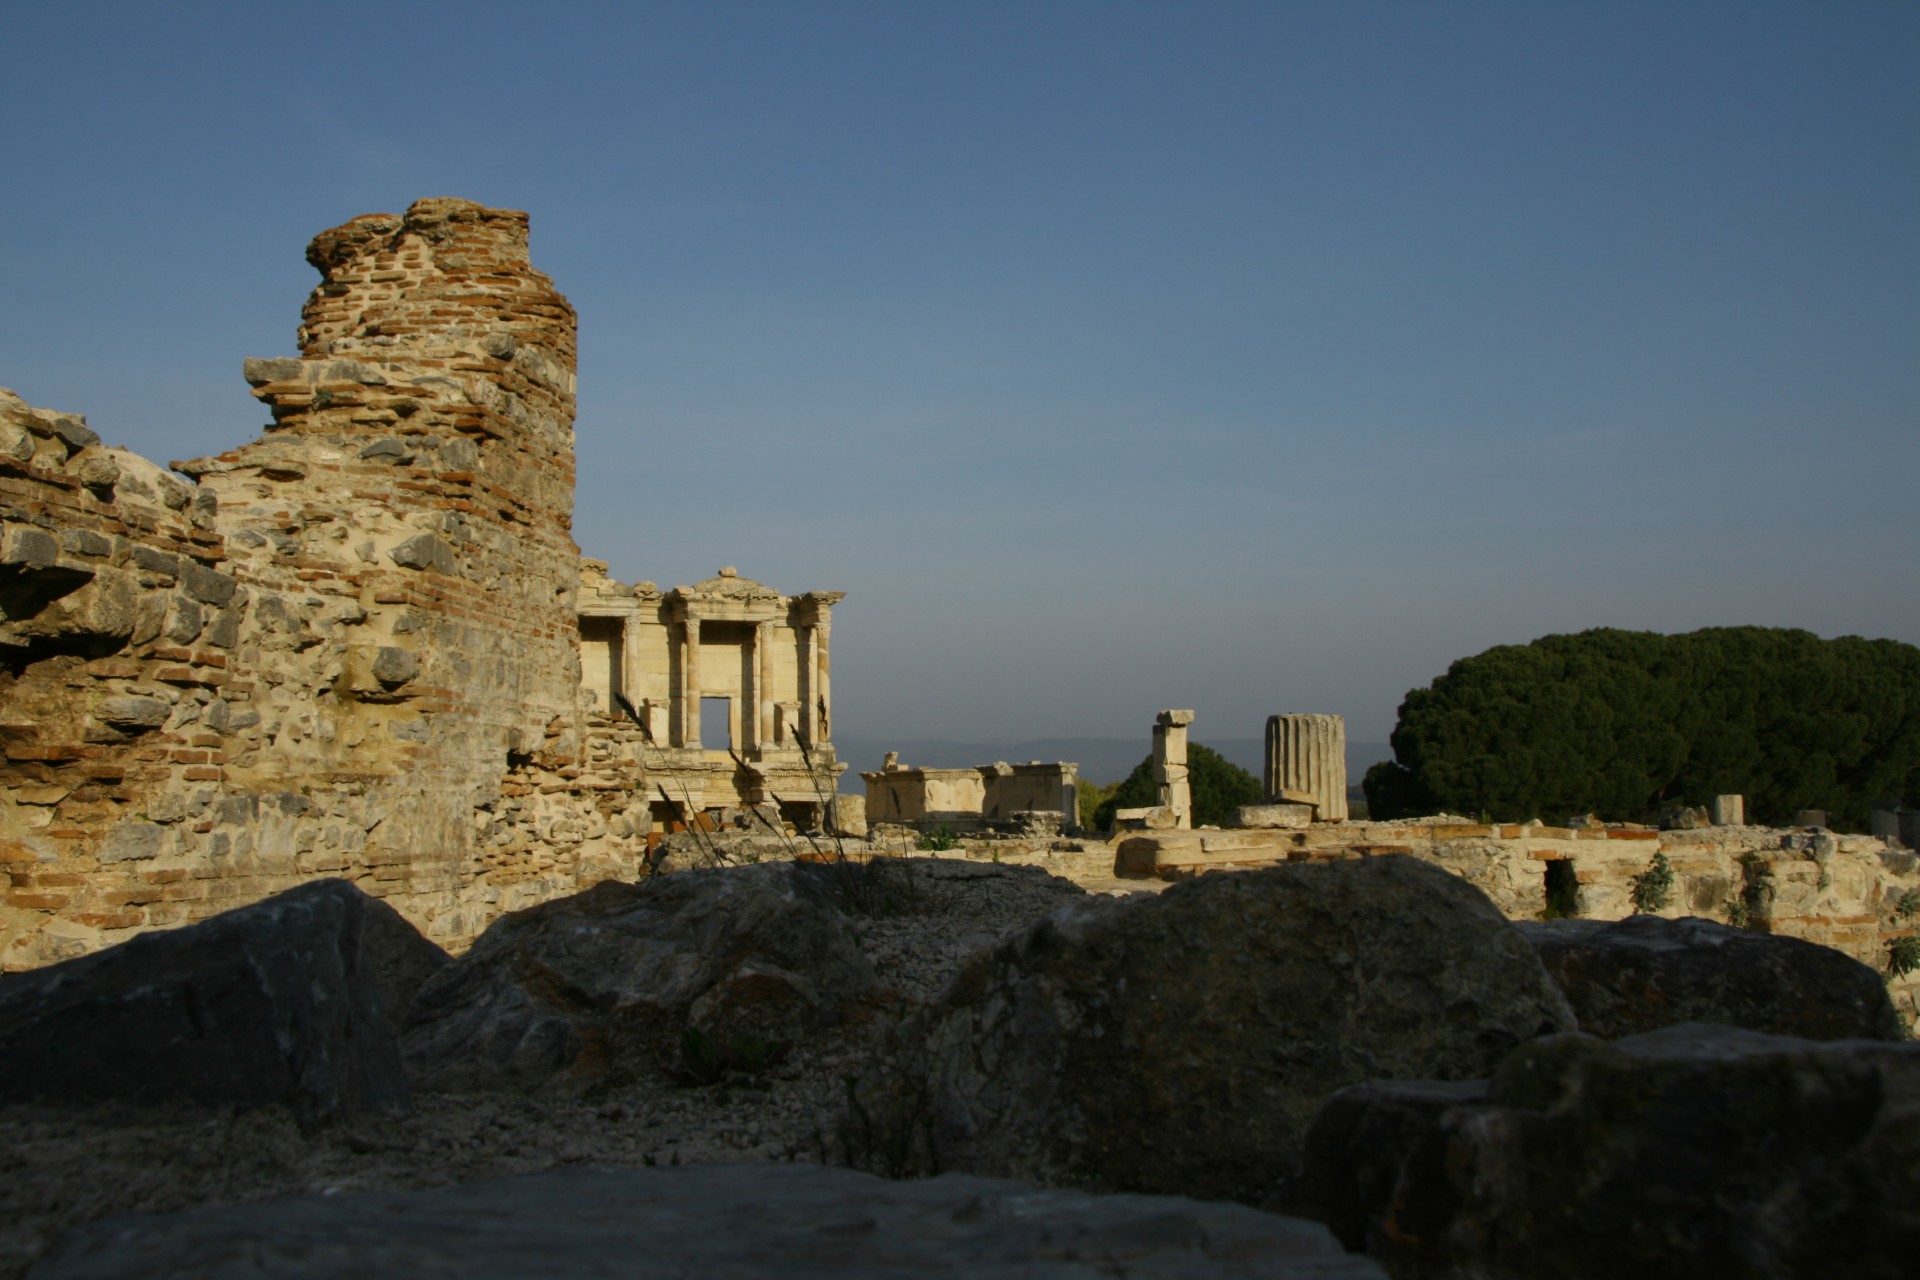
208, 586
75, 432
133, 712
1294, 816
184, 621
16, 442
132, 841
394, 666
278, 1002
94, 469
1149, 818
85, 542
424, 551
388, 448
1696, 1150
601, 986
1628, 976
726, 1222
1169, 762
459, 455
1187, 1040
1307, 763
259, 373
26, 545
153, 561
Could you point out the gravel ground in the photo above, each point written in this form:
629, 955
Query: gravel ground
67, 1167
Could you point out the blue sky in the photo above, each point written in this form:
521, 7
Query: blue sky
1111, 356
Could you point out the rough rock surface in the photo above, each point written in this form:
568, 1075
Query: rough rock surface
602, 986
1624, 977
719, 1221
1696, 1150
282, 1001
1184, 1043
71, 1165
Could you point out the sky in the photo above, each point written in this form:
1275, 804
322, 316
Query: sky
1251, 358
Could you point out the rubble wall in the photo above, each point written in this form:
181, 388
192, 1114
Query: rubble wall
346, 648
1855, 893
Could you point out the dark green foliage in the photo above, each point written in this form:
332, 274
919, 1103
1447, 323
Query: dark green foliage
1219, 788
1653, 888
1903, 956
1620, 722
939, 840
705, 1059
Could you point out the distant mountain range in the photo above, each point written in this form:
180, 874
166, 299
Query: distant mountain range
1101, 760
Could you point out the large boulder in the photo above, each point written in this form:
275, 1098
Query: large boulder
1697, 1150
1624, 977
285, 1001
1184, 1042
712, 1220
602, 987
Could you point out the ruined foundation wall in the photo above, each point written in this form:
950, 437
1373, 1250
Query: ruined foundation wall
350, 650
1854, 893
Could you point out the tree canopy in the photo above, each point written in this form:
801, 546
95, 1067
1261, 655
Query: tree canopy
1622, 723
1219, 788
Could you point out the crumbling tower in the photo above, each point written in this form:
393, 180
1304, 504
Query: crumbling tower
331, 656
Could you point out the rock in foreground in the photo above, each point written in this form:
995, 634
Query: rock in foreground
1696, 1150
601, 987
1182, 1044
1624, 977
718, 1221
284, 1001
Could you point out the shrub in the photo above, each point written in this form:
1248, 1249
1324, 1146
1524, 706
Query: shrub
1219, 788
1623, 722
1653, 888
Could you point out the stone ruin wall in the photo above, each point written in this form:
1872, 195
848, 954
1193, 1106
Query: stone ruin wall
346, 648
1843, 891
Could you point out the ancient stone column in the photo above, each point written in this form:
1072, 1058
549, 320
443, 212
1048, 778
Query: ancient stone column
763, 689
1728, 811
1170, 764
690, 680
822, 687
1307, 763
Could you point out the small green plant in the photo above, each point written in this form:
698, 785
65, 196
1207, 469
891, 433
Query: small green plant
1739, 914
1903, 956
1653, 888
939, 840
1908, 904
706, 1059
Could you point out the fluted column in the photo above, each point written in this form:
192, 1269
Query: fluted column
1307, 763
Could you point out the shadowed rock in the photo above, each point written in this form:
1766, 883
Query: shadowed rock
1696, 1150
600, 987
718, 1221
283, 1001
1185, 1042
1627, 976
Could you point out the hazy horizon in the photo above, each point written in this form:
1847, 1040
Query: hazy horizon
1245, 357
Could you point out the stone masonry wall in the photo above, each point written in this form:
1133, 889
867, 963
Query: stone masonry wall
349, 649
1854, 893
